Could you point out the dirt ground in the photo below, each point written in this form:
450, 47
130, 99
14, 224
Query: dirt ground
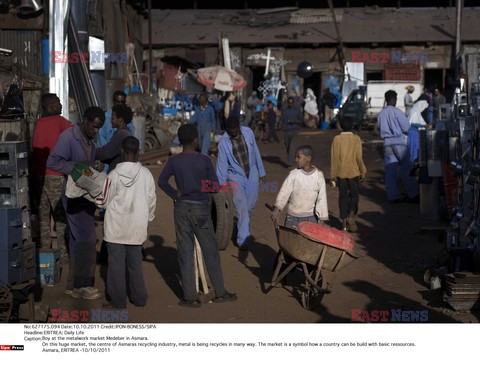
388, 275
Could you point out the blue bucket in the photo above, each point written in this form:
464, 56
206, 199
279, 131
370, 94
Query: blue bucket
325, 125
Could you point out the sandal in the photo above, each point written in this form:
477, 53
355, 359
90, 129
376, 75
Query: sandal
190, 303
227, 297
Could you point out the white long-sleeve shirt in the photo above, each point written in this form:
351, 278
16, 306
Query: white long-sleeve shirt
129, 198
305, 194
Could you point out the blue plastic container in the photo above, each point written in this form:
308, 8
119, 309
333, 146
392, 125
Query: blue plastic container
325, 125
49, 267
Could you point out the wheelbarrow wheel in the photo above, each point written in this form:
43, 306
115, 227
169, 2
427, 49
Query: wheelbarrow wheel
311, 296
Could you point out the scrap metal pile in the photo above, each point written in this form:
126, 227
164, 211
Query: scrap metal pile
461, 147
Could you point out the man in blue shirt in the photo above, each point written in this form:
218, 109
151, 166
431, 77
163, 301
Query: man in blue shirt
240, 163
393, 126
204, 118
105, 134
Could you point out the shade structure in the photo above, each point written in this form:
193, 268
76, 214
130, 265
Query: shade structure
221, 78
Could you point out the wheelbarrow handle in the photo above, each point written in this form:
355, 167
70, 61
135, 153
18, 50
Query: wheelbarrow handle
269, 206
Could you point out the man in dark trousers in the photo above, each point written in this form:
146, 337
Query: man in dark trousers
192, 215
75, 145
291, 121
111, 153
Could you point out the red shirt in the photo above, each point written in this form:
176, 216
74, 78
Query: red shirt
45, 137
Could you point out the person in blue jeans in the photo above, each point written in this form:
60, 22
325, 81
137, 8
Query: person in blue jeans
393, 126
192, 216
204, 118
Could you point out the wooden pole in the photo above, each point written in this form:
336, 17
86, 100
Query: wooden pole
150, 57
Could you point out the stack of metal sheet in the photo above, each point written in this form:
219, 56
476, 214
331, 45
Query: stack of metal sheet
17, 252
462, 291
14, 185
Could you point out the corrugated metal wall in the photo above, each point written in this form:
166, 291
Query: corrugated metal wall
26, 48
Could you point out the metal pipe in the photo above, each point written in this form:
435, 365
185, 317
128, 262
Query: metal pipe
226, 53
150, 57
458, 28
341, 51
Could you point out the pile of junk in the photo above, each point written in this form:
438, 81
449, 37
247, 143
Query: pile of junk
449, 159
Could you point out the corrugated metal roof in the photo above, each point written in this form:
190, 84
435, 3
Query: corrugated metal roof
357, 26
26, 48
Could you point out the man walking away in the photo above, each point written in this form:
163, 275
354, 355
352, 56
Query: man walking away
393, 126
346, 170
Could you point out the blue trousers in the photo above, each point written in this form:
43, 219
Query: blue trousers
244, 200
397, 162
204, 140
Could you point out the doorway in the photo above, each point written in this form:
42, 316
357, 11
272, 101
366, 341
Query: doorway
433, 78
443, 79
314, 82
257, 78
374, 75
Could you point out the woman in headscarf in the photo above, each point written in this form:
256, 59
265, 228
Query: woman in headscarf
417, 121
407, 99
310, 109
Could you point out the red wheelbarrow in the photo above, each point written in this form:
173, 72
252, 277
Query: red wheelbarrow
318, 250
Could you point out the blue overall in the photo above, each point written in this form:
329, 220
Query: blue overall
393, 126
229, 169
205, 120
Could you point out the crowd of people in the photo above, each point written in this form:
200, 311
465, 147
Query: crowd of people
105, 142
